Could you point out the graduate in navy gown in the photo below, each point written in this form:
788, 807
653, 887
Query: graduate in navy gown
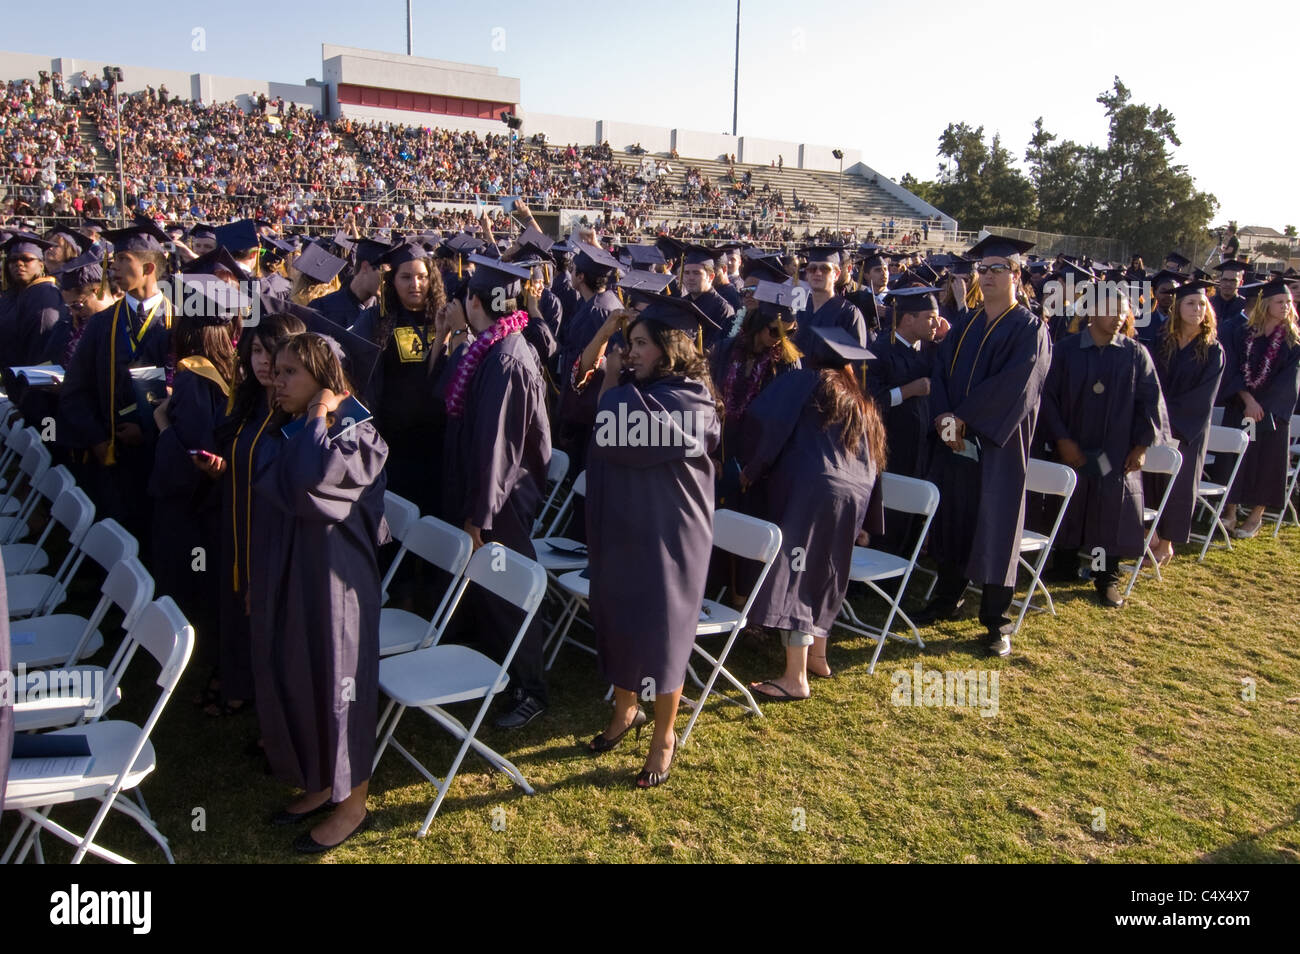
100, 410
1101, 409
186, 501
1261, 384
1150, 325
1229, 308
984, 394
317, 678
819, 447
403, 391
38, 308
497, 450
6, 704
698, 271
650, 520
344, 307
245, 428
1189, 362
824, 308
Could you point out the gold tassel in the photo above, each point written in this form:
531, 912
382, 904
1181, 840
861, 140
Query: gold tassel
460, 268
699, 338
383, 307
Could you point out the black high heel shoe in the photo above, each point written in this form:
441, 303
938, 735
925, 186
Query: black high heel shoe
600, 744
649, 779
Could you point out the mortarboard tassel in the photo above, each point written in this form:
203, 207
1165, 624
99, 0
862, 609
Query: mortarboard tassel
383, 307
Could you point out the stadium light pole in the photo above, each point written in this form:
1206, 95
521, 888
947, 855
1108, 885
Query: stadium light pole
113, 74
735, 89
410, 30
839, 187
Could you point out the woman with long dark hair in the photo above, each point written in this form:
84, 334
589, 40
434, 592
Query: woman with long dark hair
1189, 362
650, 520
818, 446
1262, 381
246, 429
316, 599
402, 393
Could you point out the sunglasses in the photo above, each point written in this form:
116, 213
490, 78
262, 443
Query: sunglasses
995, 269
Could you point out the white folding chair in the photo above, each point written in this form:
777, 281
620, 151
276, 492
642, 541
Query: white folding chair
559, 555
1052, 480
106, 543
1160, 459
1292, 471
30, 593
441, 545
437, 676
32, 454
1213, 497
58, 697
556, 471
121, 754
16, 441
902, 494
399, 514
29, 557
32, 557
750, 539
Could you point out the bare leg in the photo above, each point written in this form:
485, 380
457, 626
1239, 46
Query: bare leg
664, 741
307, 801
346, 817
817, 657
794, 681
625, 706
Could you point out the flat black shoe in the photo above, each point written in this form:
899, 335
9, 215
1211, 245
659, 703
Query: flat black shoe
600, 744
1109, 596
936, 610
998, 644
307, 845
282, 818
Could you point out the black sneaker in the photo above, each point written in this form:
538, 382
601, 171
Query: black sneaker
936, 610
1109, 596
997, 644
527, 708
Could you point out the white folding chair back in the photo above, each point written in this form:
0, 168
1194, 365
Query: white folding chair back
399, 514
903, 494
1168, 461
750, 539
45, 482
1231, 441
31, 557
1216, 415
437, 676
1052, 480
121, 753
440, 545
556, 471
33, 461
33, 594
1292, 471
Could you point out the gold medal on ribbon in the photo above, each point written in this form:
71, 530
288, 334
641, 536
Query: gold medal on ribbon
1098, 388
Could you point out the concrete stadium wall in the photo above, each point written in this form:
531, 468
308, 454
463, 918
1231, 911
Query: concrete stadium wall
134, 78
16, 66
406, 117
221, 89
701, 145
561, 130
624, 135
764, 151
819, 157
922, 208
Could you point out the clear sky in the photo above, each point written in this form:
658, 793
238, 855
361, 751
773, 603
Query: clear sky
881, 77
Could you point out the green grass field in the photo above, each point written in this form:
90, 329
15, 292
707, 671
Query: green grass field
1119, 736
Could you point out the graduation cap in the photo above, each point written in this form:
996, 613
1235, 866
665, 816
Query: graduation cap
274, 249
202, 230
210, 301
26, 243
462, 244
362, 354
144, 236
764, 269
491, 274
402, 253
318, 264
1079, 273
1232, 265
775, 300
591, 260
830, 254
561, 251
367, 250
1191, 288
677, 312
924, 273
699, 255
836, 347
1165, 276
914, 299
215, 262
644, 256
997, 246
637, 283
98, 225
671, 247
238, 236
1037, 268
960, 266
86, 269
1274, 286
1180, 261
533, 243
79, 241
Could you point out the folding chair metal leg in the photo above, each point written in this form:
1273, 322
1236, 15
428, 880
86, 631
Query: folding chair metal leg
720, 670
1216, 527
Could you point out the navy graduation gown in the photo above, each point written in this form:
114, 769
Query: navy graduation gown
908, 423
990, 374
316, 612
1127, 412
835, 312
566, 294
1149, 334
650, 533
731, 295
342, 307
6, 709
722, 314
39, 310
575, 413
817, 493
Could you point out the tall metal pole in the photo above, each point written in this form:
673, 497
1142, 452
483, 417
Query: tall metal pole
410, 30
839, 192
121, 175
735, 93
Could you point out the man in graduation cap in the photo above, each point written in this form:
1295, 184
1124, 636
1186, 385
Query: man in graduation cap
344, 306
38, 307
823, 308
984, 395
1163, 285
723, 279
102, 410
1229, 304
698, 271
898, 378
497, 450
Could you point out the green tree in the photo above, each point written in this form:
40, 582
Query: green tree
1289, 231
978, 184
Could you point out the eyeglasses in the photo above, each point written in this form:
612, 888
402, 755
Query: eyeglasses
817, 268
995, 269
